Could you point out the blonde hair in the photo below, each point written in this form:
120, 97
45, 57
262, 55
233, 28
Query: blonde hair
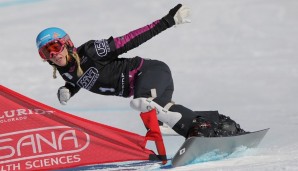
54, 71
77, 58
79, 69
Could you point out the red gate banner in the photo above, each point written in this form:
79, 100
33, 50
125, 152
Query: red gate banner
34, 136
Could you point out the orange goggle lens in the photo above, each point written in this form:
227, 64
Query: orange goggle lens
51, 48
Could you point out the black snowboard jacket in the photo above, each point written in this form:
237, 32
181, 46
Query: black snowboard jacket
104, 72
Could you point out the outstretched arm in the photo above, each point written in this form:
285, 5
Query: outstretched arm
109, 49
178, 15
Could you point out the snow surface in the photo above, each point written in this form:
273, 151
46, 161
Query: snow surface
238, 57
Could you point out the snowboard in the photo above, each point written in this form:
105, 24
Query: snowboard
195, 147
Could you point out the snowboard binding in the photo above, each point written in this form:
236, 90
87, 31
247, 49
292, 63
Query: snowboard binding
201, 128
223, 127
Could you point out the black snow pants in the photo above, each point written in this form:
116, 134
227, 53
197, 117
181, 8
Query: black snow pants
157, 75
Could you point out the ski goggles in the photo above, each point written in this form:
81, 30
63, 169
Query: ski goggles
52, 48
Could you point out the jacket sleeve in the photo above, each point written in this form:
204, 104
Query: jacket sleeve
72, 88
139, 36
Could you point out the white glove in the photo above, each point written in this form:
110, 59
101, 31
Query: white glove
63, 95
182, 15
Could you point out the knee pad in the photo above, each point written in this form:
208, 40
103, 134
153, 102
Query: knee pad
146, 104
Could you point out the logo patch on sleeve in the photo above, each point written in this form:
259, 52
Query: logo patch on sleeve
102, 47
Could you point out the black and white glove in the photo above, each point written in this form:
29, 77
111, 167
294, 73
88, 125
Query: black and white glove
178, 15
63, 95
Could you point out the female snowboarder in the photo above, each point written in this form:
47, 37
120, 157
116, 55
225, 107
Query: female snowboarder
95, 66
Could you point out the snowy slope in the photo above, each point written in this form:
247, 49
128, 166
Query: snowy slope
238, 57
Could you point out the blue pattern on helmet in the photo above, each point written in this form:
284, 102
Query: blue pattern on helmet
48, 35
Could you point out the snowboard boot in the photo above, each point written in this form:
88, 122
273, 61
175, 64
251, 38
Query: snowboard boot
228, 127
